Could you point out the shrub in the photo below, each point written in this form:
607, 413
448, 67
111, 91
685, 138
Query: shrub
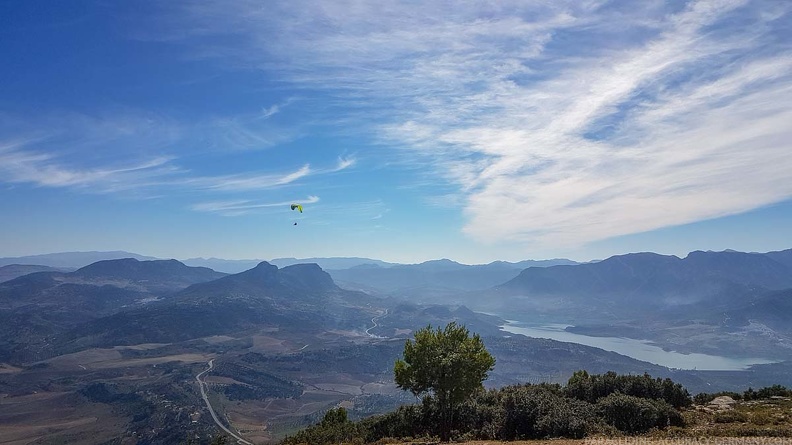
592, 388
729, 416
775, 390
537, 413
334, 428
632, 414
522, 412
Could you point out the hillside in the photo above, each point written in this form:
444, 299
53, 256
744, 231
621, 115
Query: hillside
657, 280
38, 308
300, 297
430, 280
12, 271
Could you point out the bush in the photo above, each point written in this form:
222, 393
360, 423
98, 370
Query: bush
334, 428
531, 412
730, 416
775, 390
521, 412
592, 388
633, 415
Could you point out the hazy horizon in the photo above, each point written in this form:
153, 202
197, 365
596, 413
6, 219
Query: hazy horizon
268, 259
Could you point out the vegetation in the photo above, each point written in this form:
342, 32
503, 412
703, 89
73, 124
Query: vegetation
768, 416
633, 415
448, 363
626, 405
591, 388
750, 394
255, 384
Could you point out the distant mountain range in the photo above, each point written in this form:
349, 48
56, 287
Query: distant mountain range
332, 263
301, 297
648, 280
432, 279
75, 260
37, 307
71, 260
126, 301
236, 266
117, 333
358, 263
723, 303
726, 290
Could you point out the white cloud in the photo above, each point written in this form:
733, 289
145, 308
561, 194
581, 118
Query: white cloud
124, 153
560, 123
269, 112
243, 207
344, 163
18, 165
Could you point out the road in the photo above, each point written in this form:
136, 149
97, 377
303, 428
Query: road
374, 320
202, 385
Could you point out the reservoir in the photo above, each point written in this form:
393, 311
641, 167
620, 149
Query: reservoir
637, 349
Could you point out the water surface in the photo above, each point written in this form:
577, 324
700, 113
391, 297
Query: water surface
637, 349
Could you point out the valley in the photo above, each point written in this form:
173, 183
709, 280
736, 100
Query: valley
137, 353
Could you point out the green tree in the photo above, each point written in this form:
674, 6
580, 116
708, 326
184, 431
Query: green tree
448, 363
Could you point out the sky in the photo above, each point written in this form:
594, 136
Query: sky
408, 130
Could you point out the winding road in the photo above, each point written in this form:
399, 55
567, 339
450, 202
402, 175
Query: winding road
374, 321
202, 385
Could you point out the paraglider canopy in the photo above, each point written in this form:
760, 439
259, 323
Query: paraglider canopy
296, 206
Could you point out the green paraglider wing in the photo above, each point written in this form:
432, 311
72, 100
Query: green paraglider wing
297, 206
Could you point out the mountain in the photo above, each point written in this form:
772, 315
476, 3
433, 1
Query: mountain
37, 307
782, 256
649, 278
266, 281
301, 298
236, 266
136, 278
773, 310
536, 263
431, 279
331, 263
12, 271
339, 263
154, 276
71, 259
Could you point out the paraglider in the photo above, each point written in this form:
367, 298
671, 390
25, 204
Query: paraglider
296, 207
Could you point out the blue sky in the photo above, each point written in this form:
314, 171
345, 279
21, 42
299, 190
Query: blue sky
409, 130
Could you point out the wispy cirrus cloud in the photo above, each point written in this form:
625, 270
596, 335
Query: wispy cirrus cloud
158, 174
246, 182
243, 207
560, 123
87, 154
344, 162
124, 153
268, 112
44, 170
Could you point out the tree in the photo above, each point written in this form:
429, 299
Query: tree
448, 363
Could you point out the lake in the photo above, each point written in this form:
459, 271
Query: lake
638, 349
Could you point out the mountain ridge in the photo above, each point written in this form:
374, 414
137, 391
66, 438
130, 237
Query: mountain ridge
72, 259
